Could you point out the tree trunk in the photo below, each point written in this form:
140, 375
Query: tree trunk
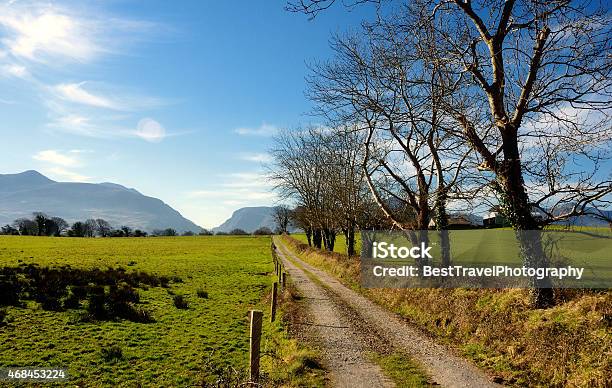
329, 239
517, 209
350, 240
309, 236
441, 219
423, 218
317, 238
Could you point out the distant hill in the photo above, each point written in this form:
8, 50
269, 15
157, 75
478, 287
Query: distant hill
27, 192
586, 220
249, 219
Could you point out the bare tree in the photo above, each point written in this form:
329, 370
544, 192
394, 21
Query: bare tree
345, 152
313, 7
395, 95
282, 218
60, 225
543, 70
299, 172
299, 218
90, 227
26, 227
103, 227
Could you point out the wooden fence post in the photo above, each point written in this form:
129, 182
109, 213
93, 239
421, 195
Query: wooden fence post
284, 280
273, 304
255, 339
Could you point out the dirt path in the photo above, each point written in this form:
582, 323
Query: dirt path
331, 328
340, 308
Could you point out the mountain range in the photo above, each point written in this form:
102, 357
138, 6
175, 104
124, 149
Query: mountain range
30, 191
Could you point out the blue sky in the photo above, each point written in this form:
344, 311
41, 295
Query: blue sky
177, 99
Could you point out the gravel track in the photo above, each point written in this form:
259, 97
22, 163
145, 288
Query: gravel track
347, 324
330, 327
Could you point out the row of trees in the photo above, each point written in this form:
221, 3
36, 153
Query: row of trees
320, 170
43, 225
263, 231
448, 102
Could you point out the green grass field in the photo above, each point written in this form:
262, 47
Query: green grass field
181, 347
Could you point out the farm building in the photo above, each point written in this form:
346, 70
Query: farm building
460, 221
494, 218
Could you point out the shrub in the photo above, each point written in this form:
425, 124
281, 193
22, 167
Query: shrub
238, 232
123, 293
263, 231
95, 298
140, 315
110, 293
10, 288
112, 353
163, 281
72, 302
3, 316
50, 303
180, 302
202, 294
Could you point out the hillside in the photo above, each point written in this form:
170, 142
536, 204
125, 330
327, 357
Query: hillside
249, 219
27, 192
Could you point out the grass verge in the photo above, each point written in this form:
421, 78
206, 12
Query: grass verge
287, 361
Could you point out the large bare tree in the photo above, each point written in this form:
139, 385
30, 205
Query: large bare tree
543, 69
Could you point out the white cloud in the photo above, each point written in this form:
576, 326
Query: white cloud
55, 157
257, 157
36, 36
150, 130
109, 128
76, 93
101, 96
240, 196
79, 151
14, 70
36, 32
80, 125
61, 173
56, 163
244, 187
246, 180
263, 130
